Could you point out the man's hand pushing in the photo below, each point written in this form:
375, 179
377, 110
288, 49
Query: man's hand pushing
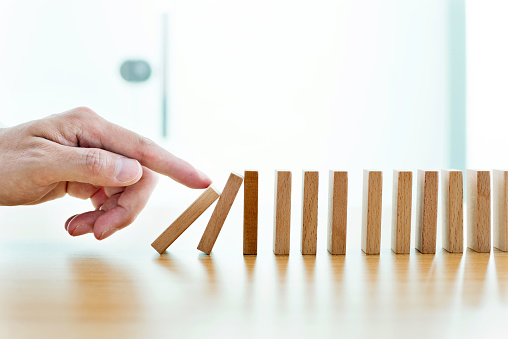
80, 153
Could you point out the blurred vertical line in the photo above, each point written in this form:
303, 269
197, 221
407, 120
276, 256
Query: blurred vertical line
457, 84
165, 26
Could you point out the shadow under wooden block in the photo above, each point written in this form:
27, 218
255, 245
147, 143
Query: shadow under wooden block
185, 219
220, 213
501, 210
250, 213
452, 197
372, 207
478, 210
426, 211
310, 212
401, 211
282, 222
337, 212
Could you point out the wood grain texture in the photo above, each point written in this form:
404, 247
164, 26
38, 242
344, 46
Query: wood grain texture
337, 212
250, 213
220, 213
452, 201
282, 215
371, 208
478, 210
426, 211
501, 210
185, 220
309, 212
401, 211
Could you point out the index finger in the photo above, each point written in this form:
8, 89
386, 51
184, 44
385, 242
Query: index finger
94, 131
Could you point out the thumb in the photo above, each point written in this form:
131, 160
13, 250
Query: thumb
95, 166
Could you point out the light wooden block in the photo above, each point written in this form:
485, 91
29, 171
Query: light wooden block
282, 222
372, 207
501, 210
220, 213
185, 219
426, 211
478, 210
310, 212
250, 213
401, 211
337, 212
452, 198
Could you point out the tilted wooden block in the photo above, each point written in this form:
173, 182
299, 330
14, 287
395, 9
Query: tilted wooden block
310, 212
478, 210
185, 219
426, 211
337, 212
401, 211
452, 198
282, 222
220, 213
250, 212
501, 210
372, 207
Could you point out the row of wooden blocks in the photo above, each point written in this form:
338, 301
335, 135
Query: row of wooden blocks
478, 209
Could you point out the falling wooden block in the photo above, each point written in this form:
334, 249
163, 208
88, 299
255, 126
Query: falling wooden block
185, 219
250, 213
452, 198
282, 212
501, 210
426, 211
220, 213
478, 210
401, 211
337, 212
371, 216
310, 212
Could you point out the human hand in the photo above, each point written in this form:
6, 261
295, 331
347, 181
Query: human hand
82, 154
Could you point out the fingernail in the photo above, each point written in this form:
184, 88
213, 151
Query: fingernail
204, 176
127, 169
80, 230
107, 233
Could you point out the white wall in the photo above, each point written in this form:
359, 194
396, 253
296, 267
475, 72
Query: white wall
487, 85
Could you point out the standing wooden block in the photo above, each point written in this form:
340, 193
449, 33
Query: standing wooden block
371, 216
453, 214
478, 210
185, 219
426, 211
220, 213
282, 221
337, 212
501, 210
250, 213
401, 211
310, 212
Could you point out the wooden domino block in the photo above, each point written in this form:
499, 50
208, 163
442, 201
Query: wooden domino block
401, 211
310, 212
452, 198
501, 210
220, 213
282, 218
372, 207
250, 213
337, 212
185, 219
426, 211
478, 210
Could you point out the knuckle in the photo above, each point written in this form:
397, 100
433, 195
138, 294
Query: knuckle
96, 162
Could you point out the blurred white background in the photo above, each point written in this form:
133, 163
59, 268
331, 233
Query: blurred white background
270, 84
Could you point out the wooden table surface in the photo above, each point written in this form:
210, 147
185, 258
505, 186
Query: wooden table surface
57, 286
